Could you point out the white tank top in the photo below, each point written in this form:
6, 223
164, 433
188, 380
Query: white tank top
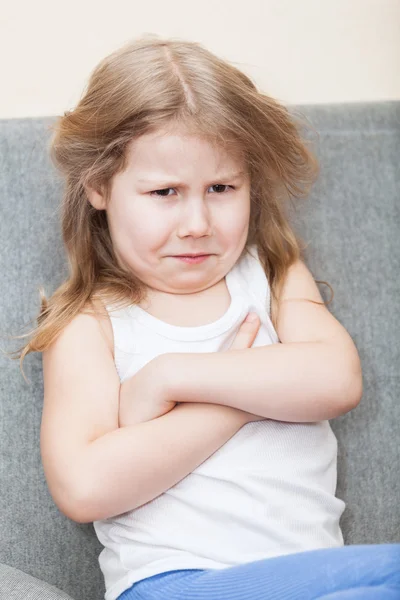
268, 491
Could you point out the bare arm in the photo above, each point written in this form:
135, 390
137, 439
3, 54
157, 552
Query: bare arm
96, 469
299, 382
132, 465
159, 448
313, 374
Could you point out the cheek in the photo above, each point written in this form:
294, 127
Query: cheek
140, 226
237, 219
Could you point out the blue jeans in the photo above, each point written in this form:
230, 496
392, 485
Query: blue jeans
356, 572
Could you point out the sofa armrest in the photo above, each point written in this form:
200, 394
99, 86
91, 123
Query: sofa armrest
17, 585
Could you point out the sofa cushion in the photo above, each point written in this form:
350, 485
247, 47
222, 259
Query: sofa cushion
17, 585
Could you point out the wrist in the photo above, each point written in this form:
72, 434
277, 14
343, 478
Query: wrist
177, 376
168, 373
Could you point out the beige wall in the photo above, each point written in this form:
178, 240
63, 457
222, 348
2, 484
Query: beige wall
300, 51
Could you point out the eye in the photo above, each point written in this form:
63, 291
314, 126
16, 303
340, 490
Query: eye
162, 195
163, 190
222, 185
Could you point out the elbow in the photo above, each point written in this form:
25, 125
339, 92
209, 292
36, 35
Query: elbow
72, 487
69, 505
74, 499
357, 391
79, 510
92, 503
76, 513
352, 390
81, 506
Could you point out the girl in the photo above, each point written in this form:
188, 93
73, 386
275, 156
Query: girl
198, 443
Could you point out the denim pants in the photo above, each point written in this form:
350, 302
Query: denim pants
355, 572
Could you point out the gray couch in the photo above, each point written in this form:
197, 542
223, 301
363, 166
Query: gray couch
352, 224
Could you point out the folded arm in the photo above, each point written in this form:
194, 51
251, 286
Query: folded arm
312, 375
299, 382
132, 465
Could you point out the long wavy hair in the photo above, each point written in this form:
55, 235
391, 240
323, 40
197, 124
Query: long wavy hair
149, 84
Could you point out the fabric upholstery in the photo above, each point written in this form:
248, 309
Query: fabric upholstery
351, 224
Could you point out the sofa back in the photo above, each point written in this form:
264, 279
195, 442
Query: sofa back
351, 222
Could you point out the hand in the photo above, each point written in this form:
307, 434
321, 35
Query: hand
142, 397
244, 339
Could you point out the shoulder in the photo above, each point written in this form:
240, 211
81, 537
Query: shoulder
299, 284
301, 314
103, 321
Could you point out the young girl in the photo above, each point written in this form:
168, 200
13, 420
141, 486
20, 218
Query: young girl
196, 441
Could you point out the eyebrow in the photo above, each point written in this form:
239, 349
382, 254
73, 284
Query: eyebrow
160, 181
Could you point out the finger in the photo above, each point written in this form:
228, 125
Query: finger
246, 334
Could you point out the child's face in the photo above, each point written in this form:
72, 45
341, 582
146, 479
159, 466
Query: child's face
197, 211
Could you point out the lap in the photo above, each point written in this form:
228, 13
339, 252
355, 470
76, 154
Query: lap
324, 573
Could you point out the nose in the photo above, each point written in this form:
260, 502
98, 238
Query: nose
194, 218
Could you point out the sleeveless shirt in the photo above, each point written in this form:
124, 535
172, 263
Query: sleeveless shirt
268, 491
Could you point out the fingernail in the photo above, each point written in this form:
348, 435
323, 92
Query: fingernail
251, 317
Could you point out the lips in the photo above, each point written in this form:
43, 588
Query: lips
192, 260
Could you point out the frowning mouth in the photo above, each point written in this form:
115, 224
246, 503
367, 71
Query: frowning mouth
192, 258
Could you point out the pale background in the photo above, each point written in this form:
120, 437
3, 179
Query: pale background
299, 51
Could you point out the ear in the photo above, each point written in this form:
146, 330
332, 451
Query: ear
95, 198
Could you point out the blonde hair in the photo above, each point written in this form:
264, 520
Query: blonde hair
146, 85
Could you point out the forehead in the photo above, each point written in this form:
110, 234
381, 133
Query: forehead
172, 148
